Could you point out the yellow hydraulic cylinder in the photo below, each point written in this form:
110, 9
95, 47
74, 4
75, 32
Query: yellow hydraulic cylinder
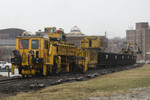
58, 60
50, 68
44, 70
85, 65
28, 72
12, 69
67, 67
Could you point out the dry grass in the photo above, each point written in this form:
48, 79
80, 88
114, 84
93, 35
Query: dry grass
104, 85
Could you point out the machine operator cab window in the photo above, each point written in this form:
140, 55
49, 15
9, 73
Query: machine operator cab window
24, 44
35, 44
124, 45
131, 50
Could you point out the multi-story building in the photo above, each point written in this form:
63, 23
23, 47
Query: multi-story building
75, 36
141, 36
8, 42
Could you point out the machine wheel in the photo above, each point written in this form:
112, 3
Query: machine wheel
23, 76
72, 67
54, 70
82, 69
41, 71
48, 70
20, 70
54, 67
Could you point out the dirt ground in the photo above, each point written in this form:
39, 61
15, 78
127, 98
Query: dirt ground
142, 93
2, 77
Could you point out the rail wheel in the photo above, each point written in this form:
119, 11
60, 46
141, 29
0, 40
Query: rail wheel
55, 66
41, 71
47, 70
54, 70
71, 68
23, 76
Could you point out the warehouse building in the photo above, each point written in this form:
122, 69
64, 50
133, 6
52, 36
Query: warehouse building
8, 42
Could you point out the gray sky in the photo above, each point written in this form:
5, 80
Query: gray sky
94, 17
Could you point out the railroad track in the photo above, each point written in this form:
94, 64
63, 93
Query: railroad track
89, 74
9, 80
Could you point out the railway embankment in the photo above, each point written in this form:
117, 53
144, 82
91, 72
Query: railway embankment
127, 84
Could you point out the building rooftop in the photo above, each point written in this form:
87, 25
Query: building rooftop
12, 32
75, 31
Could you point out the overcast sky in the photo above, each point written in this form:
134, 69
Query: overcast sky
94, 17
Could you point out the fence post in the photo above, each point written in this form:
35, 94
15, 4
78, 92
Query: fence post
8, 72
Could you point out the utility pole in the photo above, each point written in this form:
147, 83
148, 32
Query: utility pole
144, 47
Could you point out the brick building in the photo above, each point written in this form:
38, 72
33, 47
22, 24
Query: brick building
141, 36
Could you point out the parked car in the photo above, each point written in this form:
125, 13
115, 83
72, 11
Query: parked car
148, 61
5, 65
141, 61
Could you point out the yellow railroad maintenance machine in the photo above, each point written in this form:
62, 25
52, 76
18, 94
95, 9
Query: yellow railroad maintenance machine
130, 48
46, 53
